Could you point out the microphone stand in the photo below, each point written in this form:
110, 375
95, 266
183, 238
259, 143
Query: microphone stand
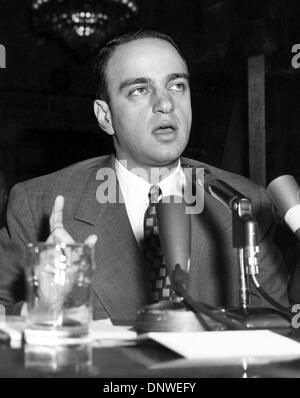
244, 232
245, 240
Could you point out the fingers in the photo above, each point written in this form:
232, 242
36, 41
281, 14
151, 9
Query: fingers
60, 235
56, 218
57, 232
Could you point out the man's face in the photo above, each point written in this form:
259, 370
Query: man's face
149, 103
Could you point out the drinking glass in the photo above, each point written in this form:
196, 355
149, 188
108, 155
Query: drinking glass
58, 280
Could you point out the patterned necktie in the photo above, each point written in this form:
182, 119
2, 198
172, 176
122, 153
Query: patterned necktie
159, 281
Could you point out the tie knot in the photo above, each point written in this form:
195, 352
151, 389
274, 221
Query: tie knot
155, 194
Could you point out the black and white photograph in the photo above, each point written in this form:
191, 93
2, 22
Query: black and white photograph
149, 192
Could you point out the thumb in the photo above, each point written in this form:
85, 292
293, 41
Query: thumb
91, 240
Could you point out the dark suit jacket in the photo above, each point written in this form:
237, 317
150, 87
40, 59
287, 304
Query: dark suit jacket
120, 280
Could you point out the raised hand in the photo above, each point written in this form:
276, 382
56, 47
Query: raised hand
58, 234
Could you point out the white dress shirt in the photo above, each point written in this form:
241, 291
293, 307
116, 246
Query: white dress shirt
135, 190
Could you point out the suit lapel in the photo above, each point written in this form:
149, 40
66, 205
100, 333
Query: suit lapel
119, 281
89, 209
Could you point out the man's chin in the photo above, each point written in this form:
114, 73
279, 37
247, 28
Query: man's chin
165, 160
168, 155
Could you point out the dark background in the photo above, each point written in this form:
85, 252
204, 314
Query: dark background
46, 114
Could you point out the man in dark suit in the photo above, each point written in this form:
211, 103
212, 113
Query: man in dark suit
143, 102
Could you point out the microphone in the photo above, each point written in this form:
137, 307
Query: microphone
248, 241
220, 190
285, 194
175, 236
246, 237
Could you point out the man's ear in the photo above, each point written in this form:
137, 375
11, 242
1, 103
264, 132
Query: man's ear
103, 116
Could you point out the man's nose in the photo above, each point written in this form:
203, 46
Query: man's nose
163, 103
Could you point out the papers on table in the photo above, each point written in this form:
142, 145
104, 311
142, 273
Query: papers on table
255, 346
252, 345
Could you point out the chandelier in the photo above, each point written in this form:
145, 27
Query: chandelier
87, 20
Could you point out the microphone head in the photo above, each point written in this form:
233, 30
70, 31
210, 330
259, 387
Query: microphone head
175, 232
284, 192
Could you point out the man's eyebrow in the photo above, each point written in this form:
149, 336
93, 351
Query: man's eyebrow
130, 82
146, 80
174, 76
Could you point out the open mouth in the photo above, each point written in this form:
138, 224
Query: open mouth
165, 133
164, 129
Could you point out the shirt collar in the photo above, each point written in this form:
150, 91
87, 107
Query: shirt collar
131, 183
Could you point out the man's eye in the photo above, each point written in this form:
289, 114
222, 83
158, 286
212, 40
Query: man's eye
177, 87
139, 91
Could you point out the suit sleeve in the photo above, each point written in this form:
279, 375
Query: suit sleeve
273, 275
18, 231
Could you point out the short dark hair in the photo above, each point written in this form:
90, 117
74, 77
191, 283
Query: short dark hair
106, 52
